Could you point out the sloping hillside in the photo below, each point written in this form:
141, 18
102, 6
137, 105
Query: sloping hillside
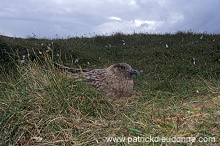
176, 95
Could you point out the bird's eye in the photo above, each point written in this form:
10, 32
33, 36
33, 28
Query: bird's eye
122, 68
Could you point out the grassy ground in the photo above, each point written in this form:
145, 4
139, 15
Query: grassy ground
176, 95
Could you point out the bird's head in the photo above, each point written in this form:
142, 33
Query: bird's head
123, 70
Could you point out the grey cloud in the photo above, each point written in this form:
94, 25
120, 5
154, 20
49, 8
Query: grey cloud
64, 17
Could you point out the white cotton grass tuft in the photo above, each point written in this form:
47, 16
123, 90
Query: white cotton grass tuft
194, 61
76, 60
201, 37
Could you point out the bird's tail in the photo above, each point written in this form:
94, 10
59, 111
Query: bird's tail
59, 66
70, 70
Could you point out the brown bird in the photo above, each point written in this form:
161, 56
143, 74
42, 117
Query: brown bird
114, 81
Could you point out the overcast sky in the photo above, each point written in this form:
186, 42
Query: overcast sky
49, 18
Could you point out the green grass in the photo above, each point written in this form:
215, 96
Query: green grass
40, 105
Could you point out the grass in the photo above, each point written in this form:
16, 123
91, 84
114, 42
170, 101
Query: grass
177, 94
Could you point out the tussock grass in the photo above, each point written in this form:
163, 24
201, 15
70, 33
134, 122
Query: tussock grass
43, 105
40, 105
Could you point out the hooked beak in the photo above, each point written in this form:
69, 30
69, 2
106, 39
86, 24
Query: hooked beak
133, 71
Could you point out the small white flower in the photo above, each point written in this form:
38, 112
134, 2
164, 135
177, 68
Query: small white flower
40, 52
194, 61
167, 46
58, 55
123, 44
88, 63
76, 60
23, 57
48, 48
201, 37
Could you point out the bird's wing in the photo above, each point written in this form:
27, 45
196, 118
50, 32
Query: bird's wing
95, 78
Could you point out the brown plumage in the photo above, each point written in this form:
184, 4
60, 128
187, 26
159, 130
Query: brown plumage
114, 81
